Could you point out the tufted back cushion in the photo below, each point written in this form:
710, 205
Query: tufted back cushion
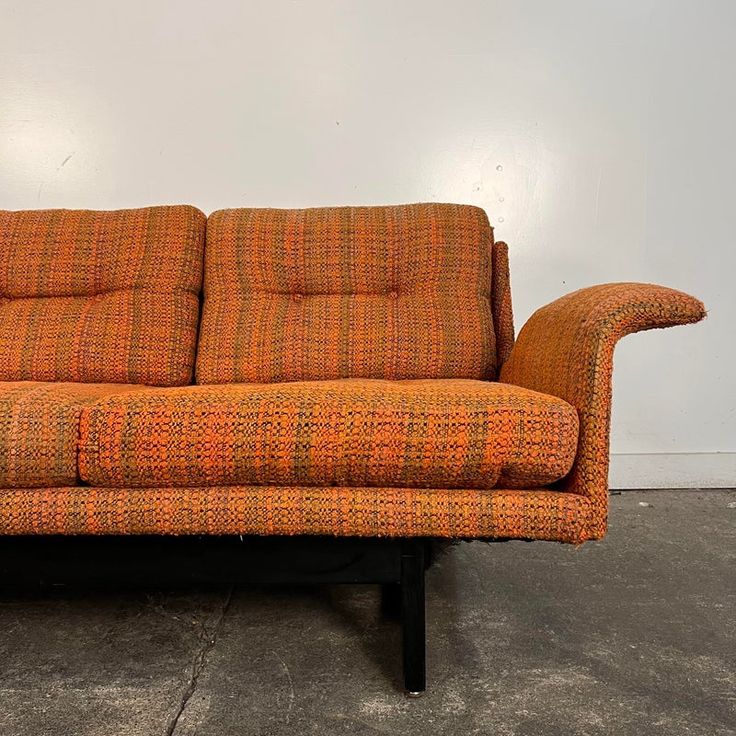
100, 296
370, 292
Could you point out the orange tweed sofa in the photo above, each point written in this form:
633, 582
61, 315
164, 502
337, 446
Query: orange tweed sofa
352, 371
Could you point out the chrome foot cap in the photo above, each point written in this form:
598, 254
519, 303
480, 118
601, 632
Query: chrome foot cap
414, 693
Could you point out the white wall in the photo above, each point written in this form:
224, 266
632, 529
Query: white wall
599, 136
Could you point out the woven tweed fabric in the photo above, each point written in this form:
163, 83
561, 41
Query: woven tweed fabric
100, 296
363, 292
566, 349
436, 433
39, 430
503, 316
365, 512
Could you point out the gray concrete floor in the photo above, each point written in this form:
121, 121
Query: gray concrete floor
634, 635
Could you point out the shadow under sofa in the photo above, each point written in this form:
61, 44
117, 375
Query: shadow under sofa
346, 372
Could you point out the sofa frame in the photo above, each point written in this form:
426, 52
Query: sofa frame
397, 565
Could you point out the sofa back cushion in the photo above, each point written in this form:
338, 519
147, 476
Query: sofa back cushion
100, 296
370, 292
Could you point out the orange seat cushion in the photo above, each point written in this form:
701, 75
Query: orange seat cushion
100, 296
39, 430
448, 433
347, 292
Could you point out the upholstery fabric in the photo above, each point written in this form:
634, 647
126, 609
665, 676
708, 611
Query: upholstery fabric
566, 349
347, 292
365, 512
100, 296
39, 430
503, 316
355, 432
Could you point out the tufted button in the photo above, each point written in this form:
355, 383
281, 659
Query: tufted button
393, 294
297, 296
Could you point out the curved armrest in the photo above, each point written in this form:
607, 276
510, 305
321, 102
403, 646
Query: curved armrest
566, 349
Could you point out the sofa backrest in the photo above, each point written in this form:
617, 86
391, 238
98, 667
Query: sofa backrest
375, 292
100, 296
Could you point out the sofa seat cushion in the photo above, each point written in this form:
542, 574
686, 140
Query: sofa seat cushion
39, 430
447, 433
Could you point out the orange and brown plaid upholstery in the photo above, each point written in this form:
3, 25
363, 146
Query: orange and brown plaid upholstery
100, 296
364, 292
300, 296
566, 349
364, 512
503, 316
39, 430
449, 433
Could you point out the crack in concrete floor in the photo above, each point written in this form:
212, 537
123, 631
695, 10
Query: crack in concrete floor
199, 662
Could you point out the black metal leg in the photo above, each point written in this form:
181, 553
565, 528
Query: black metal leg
391, 600
412, 616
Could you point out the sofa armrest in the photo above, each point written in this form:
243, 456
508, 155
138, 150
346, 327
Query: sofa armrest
566, 349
